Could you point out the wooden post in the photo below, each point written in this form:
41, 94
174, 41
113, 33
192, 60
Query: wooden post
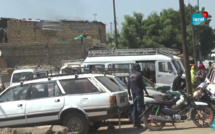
193, 37
185, 48
114, 13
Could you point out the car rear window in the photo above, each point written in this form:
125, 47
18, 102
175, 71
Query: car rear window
110, 85
121, 82
78, 86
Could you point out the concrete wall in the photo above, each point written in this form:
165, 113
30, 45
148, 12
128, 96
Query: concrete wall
39, 54
22, 31
47, 42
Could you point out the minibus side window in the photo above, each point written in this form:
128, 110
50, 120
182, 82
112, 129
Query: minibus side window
170, 67
162, 67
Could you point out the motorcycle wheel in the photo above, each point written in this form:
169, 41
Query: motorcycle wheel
202, 117
153, 124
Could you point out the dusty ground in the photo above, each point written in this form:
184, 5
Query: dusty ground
181, 128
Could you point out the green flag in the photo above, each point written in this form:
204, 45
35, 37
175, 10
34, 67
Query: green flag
80, 37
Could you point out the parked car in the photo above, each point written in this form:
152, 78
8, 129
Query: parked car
20, 74
79, 102
210, 78
150, 87
2, 86
71, 68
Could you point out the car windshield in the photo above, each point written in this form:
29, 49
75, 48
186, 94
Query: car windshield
176, 65
14, 93
110, 85
24, 75
41, 74
180, 65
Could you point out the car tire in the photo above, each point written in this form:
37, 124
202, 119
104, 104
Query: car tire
96, 125
76, 122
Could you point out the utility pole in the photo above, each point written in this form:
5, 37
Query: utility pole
111, 28
200, 54
114, 13
193, 37
185, 48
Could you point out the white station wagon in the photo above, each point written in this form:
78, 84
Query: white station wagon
79, 102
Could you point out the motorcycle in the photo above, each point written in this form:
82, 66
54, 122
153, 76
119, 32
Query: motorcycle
158, 114
169, 95
201, 93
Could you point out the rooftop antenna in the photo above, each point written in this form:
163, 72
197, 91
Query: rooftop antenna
94, 16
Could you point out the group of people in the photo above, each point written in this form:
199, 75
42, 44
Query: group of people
136, 85
197, 76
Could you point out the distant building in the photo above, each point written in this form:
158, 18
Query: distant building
40, 42
43, 31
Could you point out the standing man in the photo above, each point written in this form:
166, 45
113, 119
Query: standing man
135, 83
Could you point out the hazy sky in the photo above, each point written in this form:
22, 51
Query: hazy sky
101, 10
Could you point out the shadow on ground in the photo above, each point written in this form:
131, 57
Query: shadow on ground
121, 131
127, 128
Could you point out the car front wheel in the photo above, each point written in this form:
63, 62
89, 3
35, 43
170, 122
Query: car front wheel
76, 122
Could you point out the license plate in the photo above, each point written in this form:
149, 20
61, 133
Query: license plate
122, 100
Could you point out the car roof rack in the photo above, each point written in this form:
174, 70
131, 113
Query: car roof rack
105, 71
133, 52
49, 77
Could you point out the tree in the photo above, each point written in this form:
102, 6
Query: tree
152, 28
163, 30
110, 40
132, 30
111, 43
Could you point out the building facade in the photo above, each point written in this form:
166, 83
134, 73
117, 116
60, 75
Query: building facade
48, 42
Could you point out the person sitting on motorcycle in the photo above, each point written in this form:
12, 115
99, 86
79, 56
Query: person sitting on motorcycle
178, 83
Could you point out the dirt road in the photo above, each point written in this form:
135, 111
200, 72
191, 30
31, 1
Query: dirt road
181, 128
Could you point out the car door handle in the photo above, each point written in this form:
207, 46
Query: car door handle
159, 75
57, 100
19, 105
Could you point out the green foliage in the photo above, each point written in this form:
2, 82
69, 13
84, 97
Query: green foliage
163, 30
132, 31
111, 41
